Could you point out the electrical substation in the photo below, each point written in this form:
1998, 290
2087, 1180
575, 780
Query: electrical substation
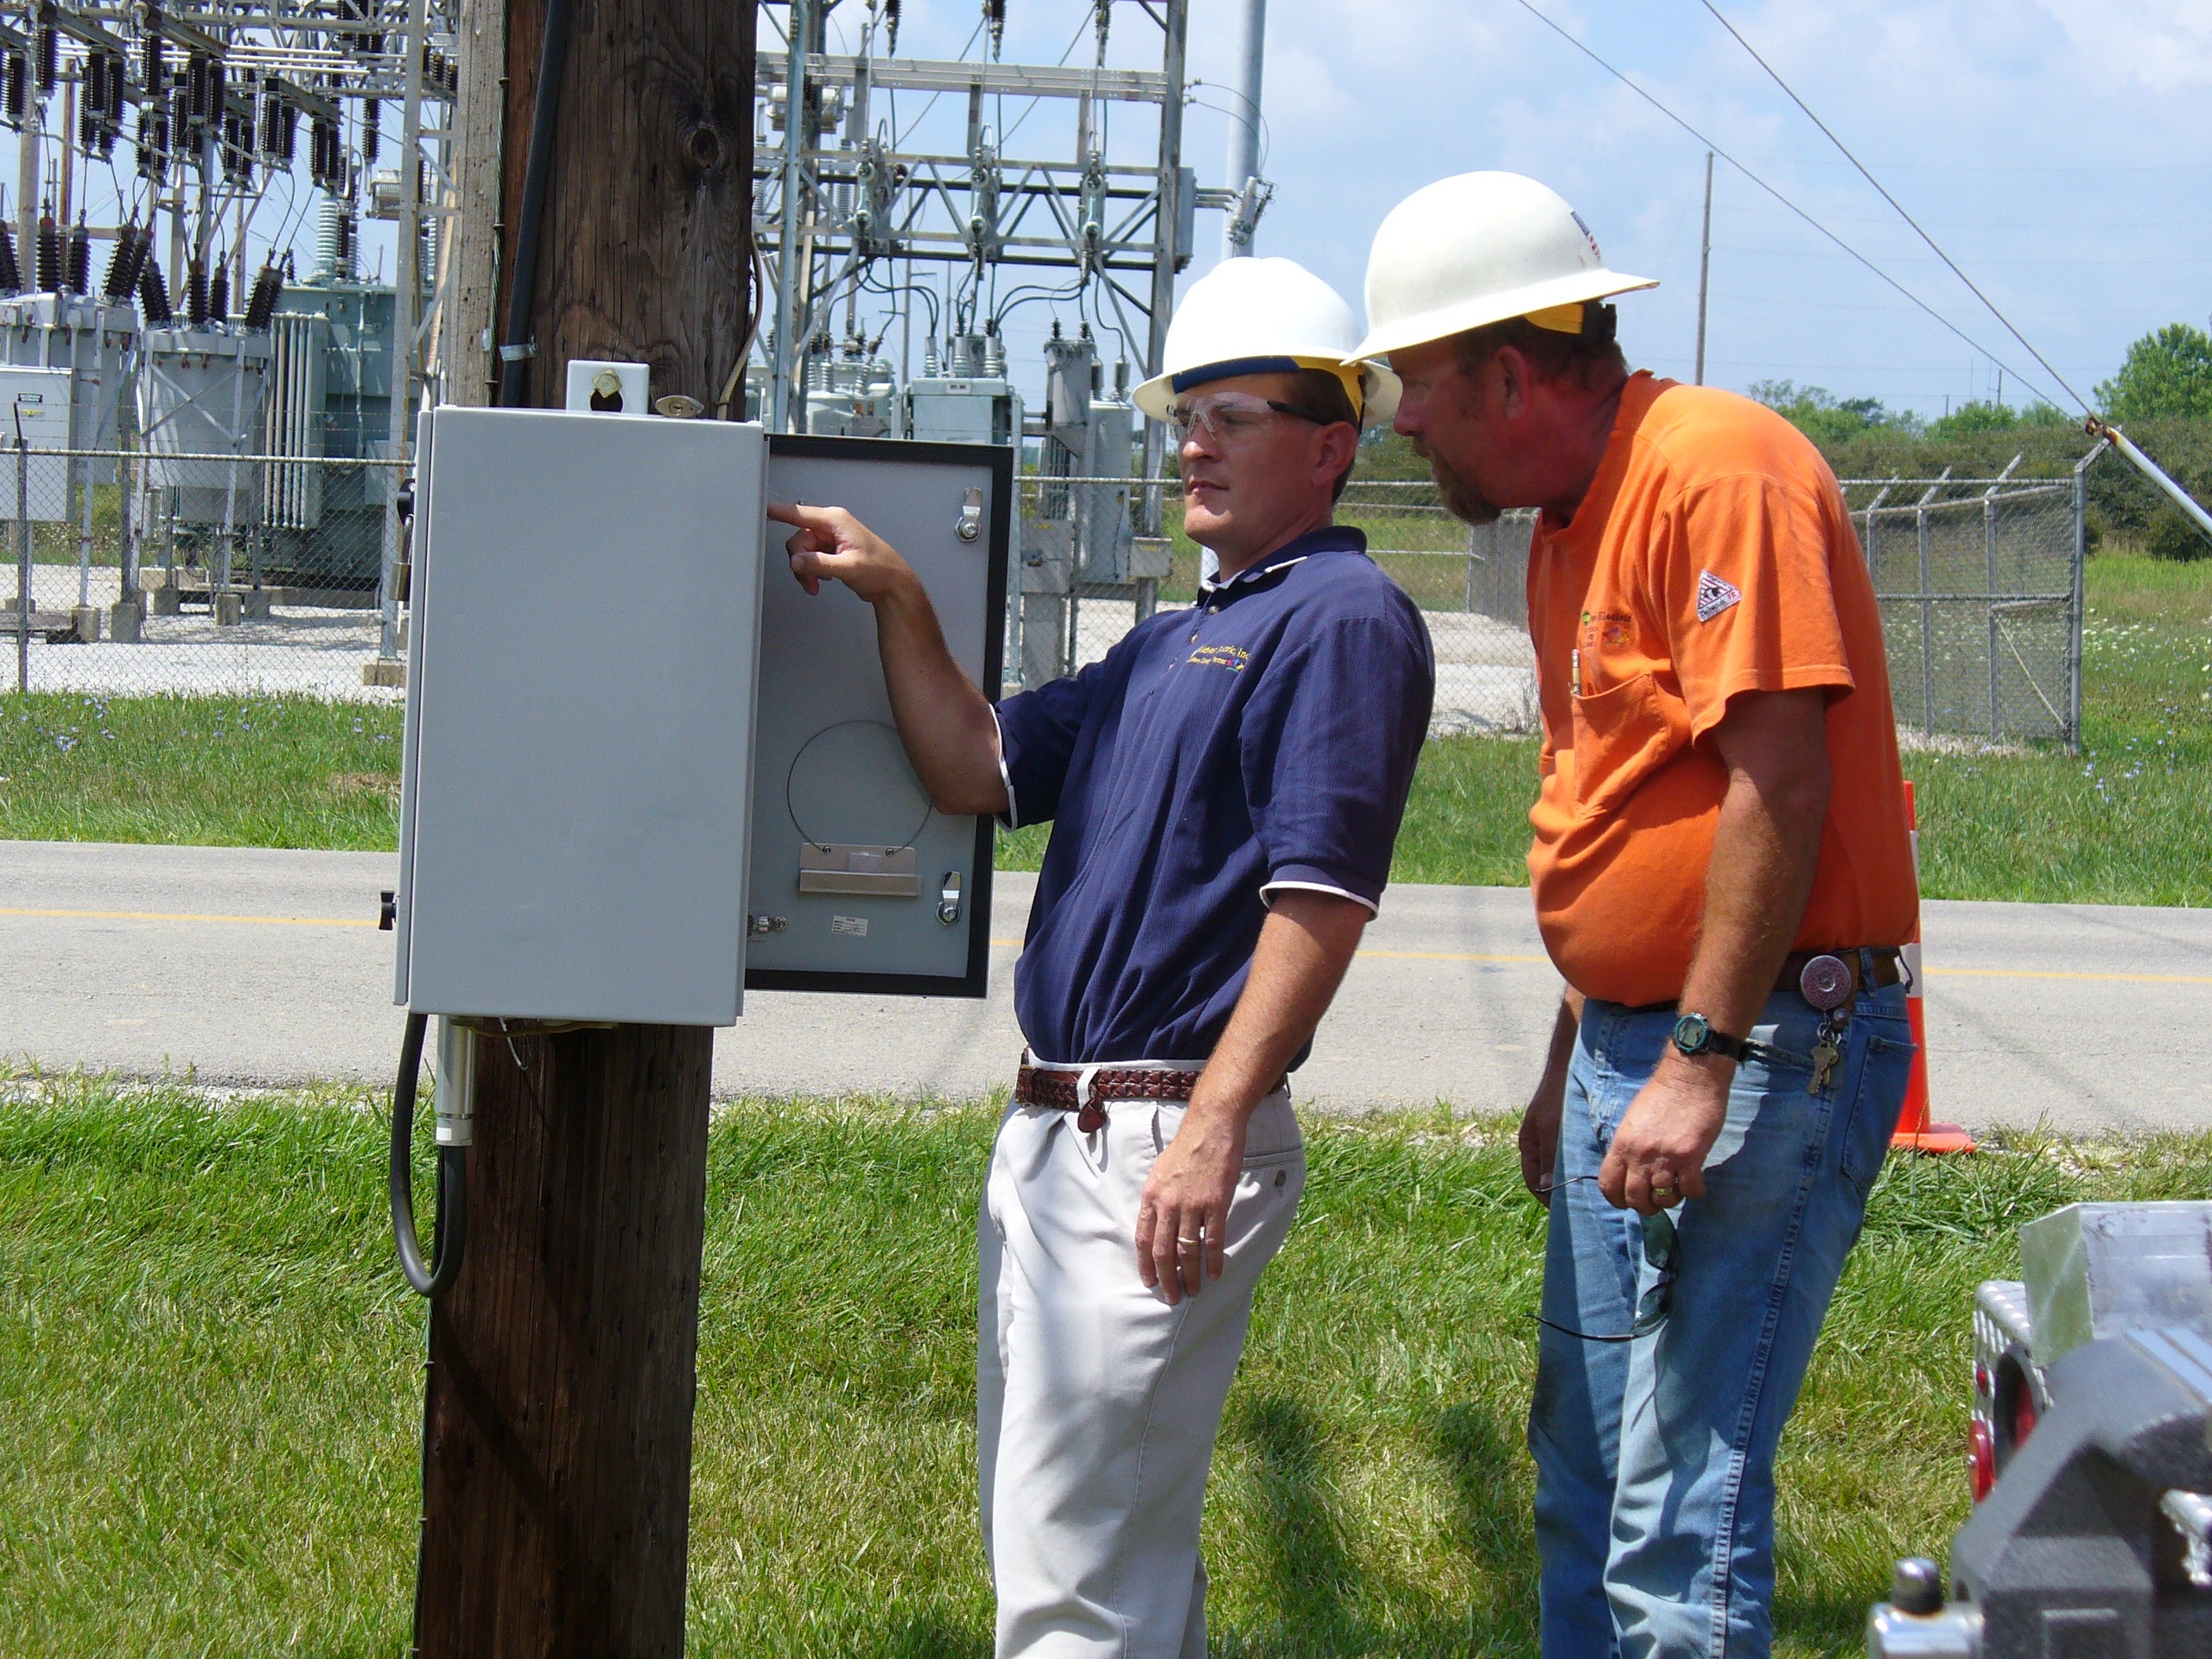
211, 378
905, 209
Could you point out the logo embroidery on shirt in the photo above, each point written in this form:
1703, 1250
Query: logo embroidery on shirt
1714, 595
1232, 657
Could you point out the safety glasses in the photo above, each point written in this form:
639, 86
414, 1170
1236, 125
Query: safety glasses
1660, 1249
1231, 415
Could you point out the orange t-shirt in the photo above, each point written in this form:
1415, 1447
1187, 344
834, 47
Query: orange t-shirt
1712, 555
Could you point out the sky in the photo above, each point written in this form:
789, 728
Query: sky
2060, 151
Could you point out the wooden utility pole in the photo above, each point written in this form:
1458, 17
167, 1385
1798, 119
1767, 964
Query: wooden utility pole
563, 1364
1704, 266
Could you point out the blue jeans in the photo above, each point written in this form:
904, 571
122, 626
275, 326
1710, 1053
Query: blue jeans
1655, 1459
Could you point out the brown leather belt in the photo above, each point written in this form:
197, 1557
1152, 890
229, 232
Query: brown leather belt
1888, 962
1057, 1091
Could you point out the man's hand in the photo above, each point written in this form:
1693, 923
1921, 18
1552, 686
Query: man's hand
1305, 946
1766, 848
1183, 1223
832, 543
944, 720
1658, 1155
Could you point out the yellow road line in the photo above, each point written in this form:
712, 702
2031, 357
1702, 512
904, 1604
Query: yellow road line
1015, 944
2037, 973
166, 916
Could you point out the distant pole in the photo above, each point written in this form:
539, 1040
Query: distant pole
1244, 124
1704, 266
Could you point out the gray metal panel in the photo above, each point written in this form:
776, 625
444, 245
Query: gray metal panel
586, 608
829, 766
425, 442
2094, 1270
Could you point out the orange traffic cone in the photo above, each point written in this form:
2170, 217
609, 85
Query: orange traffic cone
1914, 1132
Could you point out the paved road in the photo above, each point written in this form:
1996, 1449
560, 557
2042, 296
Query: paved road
255, 967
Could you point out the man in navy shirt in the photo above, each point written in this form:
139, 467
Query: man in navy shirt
1224, 788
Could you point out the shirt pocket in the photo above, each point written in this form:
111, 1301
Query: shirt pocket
1621, 734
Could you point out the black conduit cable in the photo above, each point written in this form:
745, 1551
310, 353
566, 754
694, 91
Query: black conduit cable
436, 1278
514, 353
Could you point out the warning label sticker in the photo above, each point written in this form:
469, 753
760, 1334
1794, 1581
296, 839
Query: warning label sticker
851, 926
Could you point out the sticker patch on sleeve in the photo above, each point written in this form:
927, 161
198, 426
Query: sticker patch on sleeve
1714, 595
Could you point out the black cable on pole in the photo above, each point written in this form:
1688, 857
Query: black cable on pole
544, 118
1845, 151
1530, 7
436, 1278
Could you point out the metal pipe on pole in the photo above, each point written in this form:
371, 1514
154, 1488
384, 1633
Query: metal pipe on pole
405, 288
1704, 266
1236, 230
2151, 469
783, 361
1177, 24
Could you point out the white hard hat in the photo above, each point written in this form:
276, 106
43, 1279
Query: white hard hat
1476, 249
1264, 317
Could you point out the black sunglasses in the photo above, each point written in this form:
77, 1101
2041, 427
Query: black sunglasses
1659, 1249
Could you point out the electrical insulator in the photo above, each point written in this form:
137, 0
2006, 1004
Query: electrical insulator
180, 122
890, 29
216, 77
195, 88
11, 274
117, 282
88, 128
372, 119
345, 240
261, 304
154, 295
153, 69
49, 252
195, 292
219, 292
994, 15
322, 145
114, 88
80, 258
49, 57
94, 103
18, 88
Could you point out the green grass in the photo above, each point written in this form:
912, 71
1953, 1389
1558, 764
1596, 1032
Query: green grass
232, 772
2128, 821
210, 1385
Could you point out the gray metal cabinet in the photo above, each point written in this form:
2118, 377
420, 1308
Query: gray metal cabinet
643, 770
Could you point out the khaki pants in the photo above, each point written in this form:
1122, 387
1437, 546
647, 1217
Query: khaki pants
1096, 1402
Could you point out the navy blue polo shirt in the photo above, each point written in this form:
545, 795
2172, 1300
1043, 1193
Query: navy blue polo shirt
1265, 738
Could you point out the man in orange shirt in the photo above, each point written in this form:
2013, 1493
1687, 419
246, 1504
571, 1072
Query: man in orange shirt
1723, 877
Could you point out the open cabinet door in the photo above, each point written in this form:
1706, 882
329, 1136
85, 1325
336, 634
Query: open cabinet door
858, 884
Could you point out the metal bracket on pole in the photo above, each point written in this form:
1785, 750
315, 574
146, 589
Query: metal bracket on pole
2151, 469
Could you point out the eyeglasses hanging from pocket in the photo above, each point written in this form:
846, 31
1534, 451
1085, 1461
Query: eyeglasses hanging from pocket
1660, 1250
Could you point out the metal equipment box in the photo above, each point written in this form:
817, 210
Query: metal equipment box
858, 883
586, 598
643, 769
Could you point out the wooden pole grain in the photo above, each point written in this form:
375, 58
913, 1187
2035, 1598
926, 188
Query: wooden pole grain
556, 1449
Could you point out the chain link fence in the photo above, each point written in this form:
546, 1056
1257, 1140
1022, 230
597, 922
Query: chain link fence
194, 574
1979, 582
1979, 579
226, 574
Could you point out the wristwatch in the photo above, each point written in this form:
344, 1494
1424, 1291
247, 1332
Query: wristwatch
1694, 1034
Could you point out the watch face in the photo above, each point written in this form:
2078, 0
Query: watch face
1691, 1032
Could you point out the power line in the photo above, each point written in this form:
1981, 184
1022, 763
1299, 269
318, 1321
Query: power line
1845, 149
1530, 7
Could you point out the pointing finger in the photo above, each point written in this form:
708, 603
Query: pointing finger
797, 512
